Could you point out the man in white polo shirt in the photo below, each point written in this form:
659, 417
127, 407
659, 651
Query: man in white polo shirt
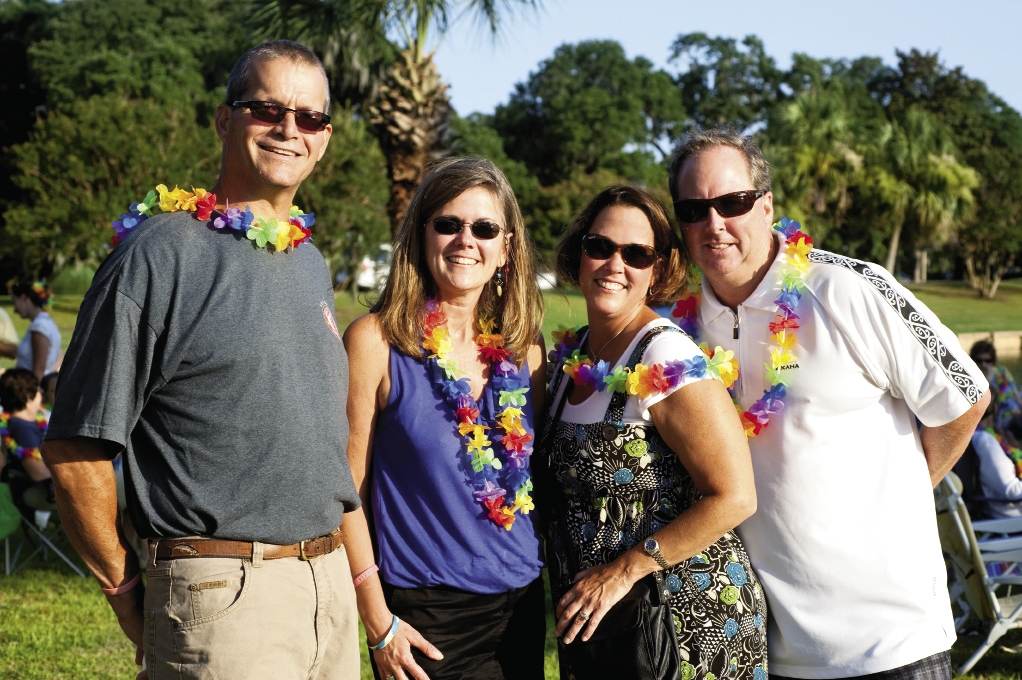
837, 364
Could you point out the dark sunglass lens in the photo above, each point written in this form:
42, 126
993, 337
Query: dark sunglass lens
691, 210
638, 257
598, 248
267, 113
733, 205
446, 225
311, 121
485, 230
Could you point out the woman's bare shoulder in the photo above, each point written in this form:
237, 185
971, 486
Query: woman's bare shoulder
364, 337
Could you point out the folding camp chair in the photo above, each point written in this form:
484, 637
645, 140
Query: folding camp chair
971, 546
35, 539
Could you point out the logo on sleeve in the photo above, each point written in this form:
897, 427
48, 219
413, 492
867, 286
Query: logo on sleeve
328, 316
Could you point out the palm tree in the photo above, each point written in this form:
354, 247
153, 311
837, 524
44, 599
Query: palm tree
817, 144
922, 186
395, 81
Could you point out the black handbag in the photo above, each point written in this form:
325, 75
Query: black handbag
634, 641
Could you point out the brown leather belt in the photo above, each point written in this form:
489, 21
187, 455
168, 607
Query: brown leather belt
176, 548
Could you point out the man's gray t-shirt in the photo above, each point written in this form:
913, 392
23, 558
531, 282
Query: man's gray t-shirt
220, 368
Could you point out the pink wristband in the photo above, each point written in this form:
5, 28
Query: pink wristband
364, 575
125, 588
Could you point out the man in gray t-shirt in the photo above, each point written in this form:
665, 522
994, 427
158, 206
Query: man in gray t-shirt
215, 366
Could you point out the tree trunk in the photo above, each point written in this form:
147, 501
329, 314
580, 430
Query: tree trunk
411, 120
892, 250
922, 265
986, 282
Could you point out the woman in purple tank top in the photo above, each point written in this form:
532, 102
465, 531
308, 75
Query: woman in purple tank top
447, 383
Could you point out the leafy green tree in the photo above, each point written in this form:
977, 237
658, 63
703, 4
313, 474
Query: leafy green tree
723, 83
407, 101
81, 169
590, 107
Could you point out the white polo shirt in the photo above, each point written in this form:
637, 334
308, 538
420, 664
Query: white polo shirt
845, 536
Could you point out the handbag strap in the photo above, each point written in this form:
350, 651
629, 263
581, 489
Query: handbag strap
616, 408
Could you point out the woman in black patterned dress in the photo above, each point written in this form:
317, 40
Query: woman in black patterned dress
648, 472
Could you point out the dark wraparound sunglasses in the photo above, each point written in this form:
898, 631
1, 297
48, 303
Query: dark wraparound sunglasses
268, 112
634, 255
692, 210
481, 229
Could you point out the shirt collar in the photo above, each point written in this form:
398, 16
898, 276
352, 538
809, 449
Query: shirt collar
762, 298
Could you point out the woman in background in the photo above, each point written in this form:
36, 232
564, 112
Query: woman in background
40, 346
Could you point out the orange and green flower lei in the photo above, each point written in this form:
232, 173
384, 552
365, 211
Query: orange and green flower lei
492, 474
20, 452
283, 235
798, 245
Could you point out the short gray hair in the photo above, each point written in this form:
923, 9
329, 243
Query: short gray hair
726, 135
241, 73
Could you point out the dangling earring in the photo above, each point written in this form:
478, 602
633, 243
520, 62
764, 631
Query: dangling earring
500, 282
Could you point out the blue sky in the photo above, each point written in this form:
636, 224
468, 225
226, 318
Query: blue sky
983, 36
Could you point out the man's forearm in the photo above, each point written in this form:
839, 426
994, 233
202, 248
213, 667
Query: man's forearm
87, 502
943, 445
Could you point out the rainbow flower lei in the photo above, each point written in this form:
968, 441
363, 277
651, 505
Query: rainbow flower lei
644, 380
281, 234
513, 385
21, 452
1014, 453
39, 288
797, 248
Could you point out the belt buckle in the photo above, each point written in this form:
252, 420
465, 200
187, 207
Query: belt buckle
301, 551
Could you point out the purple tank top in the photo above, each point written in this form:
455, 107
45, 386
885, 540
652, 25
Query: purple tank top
430, 530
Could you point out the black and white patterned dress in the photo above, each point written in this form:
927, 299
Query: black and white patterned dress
615, 484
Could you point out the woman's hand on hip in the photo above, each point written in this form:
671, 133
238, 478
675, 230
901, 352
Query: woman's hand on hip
596, 590
396, 660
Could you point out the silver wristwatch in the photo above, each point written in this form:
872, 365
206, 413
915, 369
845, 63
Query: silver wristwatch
652, 548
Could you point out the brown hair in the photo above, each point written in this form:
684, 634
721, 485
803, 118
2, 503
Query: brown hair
983, 347
725, 135
240, 79
403, 300
38, 292
18, 386
670, 273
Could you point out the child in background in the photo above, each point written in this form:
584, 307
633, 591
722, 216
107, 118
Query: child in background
22, 428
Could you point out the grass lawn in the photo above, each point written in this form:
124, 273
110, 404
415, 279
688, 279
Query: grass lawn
56, 625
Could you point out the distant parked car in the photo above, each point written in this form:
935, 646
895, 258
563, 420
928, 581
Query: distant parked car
546, 280
373, 271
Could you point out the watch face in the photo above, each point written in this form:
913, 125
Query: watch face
650, 545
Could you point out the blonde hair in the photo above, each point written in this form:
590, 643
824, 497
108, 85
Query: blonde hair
519, 312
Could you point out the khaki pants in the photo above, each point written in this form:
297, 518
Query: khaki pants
219, 618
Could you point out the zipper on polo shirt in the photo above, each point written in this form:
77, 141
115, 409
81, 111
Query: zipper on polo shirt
739, 386
735, 336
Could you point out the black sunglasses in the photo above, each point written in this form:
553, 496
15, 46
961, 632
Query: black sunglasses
634, 255
692, 210
268, 112
481, 229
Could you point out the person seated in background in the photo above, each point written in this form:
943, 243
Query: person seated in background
40, 346
1000, 463
1008, 401
22, 427
49, 387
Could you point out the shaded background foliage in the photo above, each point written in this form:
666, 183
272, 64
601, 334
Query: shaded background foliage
915, 165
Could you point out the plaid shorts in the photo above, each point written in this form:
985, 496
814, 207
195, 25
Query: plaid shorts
936, 667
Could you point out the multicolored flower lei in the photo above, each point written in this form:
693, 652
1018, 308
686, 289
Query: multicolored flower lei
512, 385
20, 452
1007, 395
264, 232
644, 380
1010, 451
45, 296
797, 248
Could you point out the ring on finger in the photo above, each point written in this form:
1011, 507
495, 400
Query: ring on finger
585, 616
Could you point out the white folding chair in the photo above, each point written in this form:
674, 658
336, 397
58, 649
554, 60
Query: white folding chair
972, 546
